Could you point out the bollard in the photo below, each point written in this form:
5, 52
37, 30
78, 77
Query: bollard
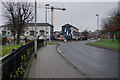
21, 45
13, 49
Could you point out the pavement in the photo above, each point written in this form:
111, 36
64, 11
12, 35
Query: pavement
50, 64
93, 61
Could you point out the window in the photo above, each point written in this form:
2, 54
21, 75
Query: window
3, 33
36, 32
46, 27
31, 33
47, 32
41, 28
27, 32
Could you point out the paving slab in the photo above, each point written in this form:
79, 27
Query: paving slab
49, 64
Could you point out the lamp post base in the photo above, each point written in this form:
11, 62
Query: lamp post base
35, 55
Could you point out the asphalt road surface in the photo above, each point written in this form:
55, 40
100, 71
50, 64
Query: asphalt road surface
94, 62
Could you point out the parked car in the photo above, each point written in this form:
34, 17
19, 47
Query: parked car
42, 37
22, 37
12, 37
31, 38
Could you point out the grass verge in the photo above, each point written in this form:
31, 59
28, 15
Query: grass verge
106, 43
52, 43
6, 49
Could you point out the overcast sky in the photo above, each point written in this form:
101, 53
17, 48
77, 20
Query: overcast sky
77, 13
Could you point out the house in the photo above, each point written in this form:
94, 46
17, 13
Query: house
5, 31
43, 29
70, 31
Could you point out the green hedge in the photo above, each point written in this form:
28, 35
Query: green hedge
4, 40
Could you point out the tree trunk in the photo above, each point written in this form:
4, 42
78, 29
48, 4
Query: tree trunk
116, 35
119, 36
14, 38
112, 36
18, 38
119, 40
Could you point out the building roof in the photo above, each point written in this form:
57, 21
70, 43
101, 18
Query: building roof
33, 24
39, 24
70, 26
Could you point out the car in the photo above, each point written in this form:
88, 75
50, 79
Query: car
31, 38
22, 37
42, 37
12, 37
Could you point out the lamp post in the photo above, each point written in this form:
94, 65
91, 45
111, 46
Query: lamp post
97, 15
46, 5
35, 41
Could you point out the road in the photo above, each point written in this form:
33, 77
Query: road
94, 62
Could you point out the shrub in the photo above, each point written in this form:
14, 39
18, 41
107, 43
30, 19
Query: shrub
4, 40
29, 40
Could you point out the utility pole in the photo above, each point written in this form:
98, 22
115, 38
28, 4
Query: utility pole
35, 41
97, 15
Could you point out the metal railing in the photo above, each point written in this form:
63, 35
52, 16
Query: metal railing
15, 63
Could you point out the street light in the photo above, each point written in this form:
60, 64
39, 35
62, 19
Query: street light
97, 15
35, 50
46, 5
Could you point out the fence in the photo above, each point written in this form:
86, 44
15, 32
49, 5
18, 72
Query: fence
14, 64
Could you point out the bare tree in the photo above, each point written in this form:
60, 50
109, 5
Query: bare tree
18, 14
112, 23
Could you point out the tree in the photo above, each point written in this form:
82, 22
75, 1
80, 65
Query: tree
18, 14
112, 24
85, 34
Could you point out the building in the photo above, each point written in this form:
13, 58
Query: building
5, 31
70, 32
58, 35
43, 29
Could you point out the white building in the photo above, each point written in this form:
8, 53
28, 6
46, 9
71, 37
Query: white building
70, 31
4, 30
43, 29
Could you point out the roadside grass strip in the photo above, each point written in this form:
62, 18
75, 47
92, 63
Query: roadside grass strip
51, 43
106, 43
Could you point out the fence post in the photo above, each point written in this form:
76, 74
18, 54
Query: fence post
14, 59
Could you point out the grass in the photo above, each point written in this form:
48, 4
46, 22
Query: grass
8, 48
51, 43
106, 43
